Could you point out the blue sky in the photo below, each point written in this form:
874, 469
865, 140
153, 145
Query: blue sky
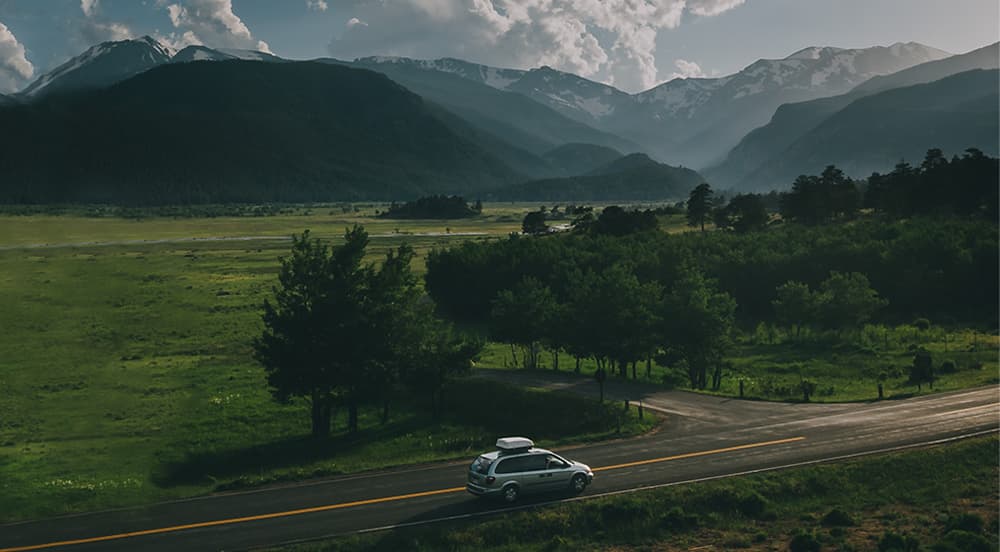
633, 44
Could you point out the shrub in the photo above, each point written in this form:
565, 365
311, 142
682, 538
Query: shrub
559, 543
922, 324
963, 541
837, 518
972, 523
894, 542
677, 519
736, 542
804, 542
750, 504
948, 367
622, 510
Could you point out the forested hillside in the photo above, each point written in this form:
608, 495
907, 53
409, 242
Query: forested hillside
631, 177
238, 131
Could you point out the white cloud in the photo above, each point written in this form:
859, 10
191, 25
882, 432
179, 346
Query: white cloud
94, 29
612, 41
354, 21
15, 69
712, 7
97, 31
213, 23
89, 7
316, 5
178, 41
687, 69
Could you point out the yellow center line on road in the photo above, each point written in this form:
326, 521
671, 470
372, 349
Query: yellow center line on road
695, 454
231, 520
342, 505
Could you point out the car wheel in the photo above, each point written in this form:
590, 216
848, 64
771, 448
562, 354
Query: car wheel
578, 483
510, 493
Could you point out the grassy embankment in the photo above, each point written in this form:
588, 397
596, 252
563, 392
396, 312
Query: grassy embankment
942, 499
126, 374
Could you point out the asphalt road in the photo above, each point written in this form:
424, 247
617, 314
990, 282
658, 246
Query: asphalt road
702, 437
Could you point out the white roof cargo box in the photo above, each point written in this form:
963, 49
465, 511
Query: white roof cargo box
510, 444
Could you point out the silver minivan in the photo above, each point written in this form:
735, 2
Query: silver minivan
518, 467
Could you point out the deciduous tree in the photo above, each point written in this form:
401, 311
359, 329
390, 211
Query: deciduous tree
306, 346
698, 320
523, 317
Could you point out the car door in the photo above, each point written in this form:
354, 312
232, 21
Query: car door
535, 476
560, 472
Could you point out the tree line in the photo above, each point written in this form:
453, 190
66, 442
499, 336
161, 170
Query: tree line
965, 186
434, 207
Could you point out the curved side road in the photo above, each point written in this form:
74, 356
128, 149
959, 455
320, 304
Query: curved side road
703, 437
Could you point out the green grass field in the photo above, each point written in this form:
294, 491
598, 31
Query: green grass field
126, 375
942, 499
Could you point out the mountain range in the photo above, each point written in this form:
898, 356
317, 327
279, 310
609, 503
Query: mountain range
510, 116
877, 131
692, 121
791, 122
520, 131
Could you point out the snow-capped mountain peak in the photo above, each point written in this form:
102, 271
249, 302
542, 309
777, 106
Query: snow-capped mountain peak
107, 63
199, 53
115, 60
496, 77
157, 46
814, 52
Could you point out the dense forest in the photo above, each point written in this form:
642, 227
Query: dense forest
618, 290
924, 267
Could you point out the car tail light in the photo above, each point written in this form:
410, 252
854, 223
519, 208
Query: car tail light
490, 480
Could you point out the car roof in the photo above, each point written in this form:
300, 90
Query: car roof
514, 443
530, 452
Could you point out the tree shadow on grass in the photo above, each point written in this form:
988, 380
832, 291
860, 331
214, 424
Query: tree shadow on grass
252, 465
473, 416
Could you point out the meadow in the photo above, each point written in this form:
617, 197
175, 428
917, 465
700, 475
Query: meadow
126, 373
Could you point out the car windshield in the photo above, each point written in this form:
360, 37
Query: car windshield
481, 465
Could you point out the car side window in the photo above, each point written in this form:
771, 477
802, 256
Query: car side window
511, 465
536, 462
553, 463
